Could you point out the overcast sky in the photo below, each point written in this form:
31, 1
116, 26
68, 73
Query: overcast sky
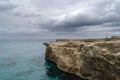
59, 18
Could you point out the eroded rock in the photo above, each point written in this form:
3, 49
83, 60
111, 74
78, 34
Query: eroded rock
91, 60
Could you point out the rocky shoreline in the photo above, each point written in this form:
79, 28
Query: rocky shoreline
90, 59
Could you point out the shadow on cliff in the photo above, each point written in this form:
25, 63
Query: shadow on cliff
53, 72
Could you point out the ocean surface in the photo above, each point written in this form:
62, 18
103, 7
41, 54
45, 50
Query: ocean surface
25, 60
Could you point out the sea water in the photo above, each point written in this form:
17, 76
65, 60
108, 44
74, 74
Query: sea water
25, 60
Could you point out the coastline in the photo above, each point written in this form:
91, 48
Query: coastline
91, 59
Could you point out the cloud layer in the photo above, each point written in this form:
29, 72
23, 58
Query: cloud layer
59, 19
5, 5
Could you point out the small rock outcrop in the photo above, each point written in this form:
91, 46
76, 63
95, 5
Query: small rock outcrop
89, 59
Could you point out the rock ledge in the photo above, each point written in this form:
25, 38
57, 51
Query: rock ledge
90, 59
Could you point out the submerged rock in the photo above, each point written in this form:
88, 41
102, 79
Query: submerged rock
88, 59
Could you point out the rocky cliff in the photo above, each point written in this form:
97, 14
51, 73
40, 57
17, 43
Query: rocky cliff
89, 59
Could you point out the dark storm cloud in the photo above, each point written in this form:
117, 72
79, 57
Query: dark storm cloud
70, 23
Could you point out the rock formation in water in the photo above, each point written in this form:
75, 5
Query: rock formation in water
89, 59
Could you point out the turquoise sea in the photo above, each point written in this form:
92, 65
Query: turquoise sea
24, 60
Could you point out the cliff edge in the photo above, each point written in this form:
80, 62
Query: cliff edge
89, 59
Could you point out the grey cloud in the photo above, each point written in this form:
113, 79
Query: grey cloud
113, 24
117, 7
80, 20
102, 12
59, 18
4, 6
4, 0
27, 15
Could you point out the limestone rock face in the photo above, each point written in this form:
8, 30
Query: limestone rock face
91, 60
